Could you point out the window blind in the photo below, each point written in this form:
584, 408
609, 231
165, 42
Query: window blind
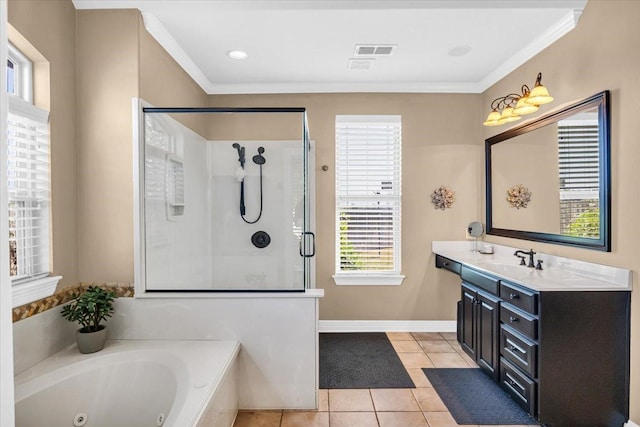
368, 194
578, 161
28, 189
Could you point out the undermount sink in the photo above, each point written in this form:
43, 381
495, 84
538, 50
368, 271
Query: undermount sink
505, 267
522, 272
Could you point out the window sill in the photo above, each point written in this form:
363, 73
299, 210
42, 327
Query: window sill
33, 290
368, 279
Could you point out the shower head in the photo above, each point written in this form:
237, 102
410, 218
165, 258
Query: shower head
240, 153
259, 159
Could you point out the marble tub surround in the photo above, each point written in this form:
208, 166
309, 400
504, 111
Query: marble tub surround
558, 274
65, 295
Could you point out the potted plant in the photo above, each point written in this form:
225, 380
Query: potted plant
89, 309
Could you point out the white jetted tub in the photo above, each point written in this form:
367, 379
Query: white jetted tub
132, 384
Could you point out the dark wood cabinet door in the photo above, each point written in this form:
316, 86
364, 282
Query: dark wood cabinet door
468, 323
488, 329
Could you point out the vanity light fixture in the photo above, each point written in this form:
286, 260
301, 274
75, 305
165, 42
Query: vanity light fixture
511, 107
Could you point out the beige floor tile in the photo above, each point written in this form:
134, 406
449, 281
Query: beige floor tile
400, 336
429, 400
394, 399
323, 400
305, 419
402, 419
354, 400
464, 355
353, 419
415, 360
418, 377
449, 336
258, 419
406, 346
427, 336
448, 360
440, 419
436, 346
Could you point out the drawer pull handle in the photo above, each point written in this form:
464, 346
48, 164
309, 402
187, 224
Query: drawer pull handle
513, 383
514, 296
446, 264
515, 348
513, 319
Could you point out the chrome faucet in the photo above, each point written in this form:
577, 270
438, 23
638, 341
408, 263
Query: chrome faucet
522, 255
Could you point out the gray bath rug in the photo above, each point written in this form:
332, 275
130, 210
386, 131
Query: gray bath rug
474, 398
360, 360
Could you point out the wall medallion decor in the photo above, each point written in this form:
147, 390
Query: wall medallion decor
518, 196
443, 197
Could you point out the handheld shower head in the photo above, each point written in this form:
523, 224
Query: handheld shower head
240, 153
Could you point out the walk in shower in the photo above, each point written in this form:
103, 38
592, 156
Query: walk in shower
224, 200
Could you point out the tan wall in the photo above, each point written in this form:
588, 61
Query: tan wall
49, 25
117, 60
530, 159
107, 79
436, 150
600, 54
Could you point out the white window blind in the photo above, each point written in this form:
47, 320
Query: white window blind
28, 189
578, 158
368, 195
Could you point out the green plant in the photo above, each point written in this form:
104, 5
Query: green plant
587, 224
350, 259
90, 308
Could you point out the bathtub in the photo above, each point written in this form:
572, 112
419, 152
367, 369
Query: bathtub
132, 384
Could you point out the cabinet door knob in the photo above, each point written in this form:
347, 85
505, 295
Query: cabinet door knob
513, 319
514, 296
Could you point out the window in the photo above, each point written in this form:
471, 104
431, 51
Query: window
19, 74
368, 196
578, 157
28, 186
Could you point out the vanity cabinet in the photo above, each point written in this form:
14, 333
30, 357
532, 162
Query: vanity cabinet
562, 355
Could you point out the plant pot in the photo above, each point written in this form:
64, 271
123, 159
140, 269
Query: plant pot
90, 342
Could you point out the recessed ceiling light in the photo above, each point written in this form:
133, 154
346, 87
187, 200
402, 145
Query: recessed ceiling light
459, 50
237, 54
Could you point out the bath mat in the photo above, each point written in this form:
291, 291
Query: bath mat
360, 360
474, 398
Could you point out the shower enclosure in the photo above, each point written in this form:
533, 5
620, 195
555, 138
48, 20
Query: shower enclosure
224, 199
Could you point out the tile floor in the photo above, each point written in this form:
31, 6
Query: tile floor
417, 407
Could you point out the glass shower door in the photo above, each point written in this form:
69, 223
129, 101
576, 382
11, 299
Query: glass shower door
226, 207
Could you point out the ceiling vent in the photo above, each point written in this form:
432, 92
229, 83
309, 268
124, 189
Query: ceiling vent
375, 49
360, 63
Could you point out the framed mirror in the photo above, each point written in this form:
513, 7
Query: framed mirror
549, 180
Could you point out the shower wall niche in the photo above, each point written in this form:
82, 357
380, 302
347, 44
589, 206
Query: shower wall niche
228, 210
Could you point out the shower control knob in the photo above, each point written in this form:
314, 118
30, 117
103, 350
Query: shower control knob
260, 239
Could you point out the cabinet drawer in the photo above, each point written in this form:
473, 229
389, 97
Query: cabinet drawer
519, 350
447, 264
519, 320
521, 298
519, 386
481, 280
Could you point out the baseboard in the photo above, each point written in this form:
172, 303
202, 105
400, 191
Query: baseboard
631, 424
387, 326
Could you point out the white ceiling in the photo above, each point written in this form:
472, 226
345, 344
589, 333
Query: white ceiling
297, 46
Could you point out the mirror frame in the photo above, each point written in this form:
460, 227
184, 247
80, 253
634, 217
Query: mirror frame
603, 243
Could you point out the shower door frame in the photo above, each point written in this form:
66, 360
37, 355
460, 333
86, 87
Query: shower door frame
307, 244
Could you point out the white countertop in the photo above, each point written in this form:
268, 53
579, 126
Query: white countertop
558, 274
